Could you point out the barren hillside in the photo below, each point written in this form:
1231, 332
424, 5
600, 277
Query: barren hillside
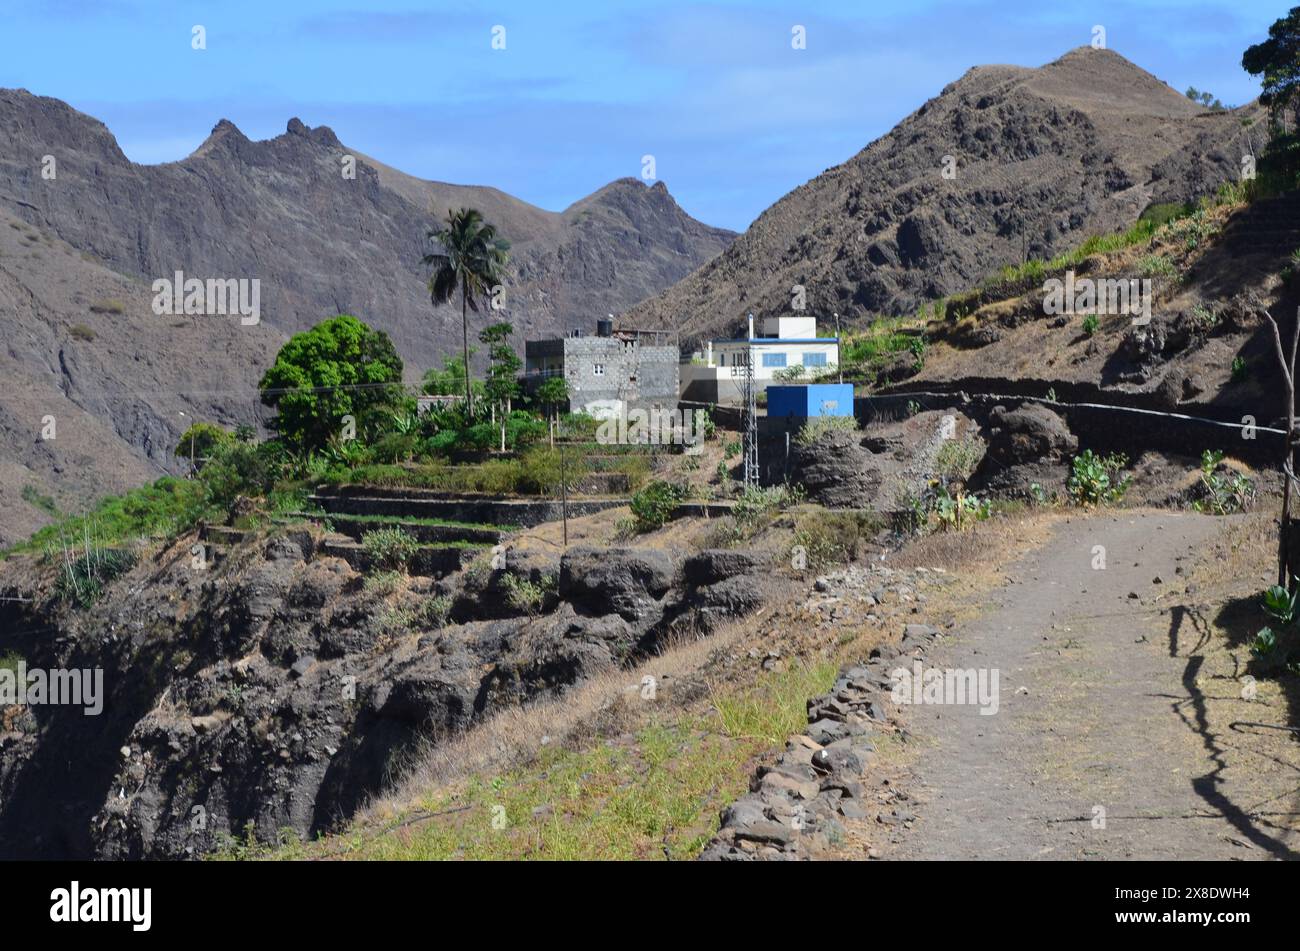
1043, 157
281, 211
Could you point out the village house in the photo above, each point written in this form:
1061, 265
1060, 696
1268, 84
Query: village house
717, 375
611, 373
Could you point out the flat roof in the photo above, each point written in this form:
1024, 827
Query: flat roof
768, 340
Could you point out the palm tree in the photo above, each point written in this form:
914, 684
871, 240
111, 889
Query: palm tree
473, 258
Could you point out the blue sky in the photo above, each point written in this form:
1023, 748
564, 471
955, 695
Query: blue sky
734, 116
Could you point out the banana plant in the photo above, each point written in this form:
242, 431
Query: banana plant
1281, 605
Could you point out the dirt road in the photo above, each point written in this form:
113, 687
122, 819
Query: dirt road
1113, 737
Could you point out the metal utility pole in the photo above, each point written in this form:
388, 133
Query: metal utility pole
750, 421
839, 363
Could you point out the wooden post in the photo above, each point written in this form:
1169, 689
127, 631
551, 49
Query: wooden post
564, 490
1287, 366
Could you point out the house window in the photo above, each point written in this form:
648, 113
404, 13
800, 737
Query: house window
814, 359
598, 369
774, 359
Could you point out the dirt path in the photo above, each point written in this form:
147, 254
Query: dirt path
1106, 703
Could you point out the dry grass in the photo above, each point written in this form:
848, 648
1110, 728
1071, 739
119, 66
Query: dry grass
517, 735
983, 549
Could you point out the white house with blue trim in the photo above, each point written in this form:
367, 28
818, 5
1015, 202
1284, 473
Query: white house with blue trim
718, 374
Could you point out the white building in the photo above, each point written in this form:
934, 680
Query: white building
717, 376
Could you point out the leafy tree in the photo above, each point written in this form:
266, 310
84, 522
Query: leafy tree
473, 259
340, 367
1277, 60
200, 442
504, 364
553, 392
450, 380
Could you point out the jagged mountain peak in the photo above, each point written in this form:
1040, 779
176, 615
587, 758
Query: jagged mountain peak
282, 211
1007, 162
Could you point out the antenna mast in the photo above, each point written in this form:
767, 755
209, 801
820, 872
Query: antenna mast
750, 412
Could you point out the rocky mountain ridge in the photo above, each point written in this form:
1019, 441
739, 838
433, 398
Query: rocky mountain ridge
85, 232
1006, 163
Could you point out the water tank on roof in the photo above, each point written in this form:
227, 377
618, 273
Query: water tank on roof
605, 328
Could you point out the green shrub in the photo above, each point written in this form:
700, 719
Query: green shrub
201, 441
1204, 317
756, 503
819, 427
1162, 213
543, 471
382, 583
1222, 493
237, 468
114, 307
653, 506
525, 595
956, 512
1090, 324
834, 538
83, 575
1239, 369
1283, 606
1095, 479
435, 611
82, 332
958, 458
1156, 265
520, 429
390, 549
1236, 192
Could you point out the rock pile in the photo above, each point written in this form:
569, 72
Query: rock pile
1026, 445
836, 471
795, 806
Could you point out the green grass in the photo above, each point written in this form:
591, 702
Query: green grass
1156, 265
867, 352
163, 509
406, 520
1018, 278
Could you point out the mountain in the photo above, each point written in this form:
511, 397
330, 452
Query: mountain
83, 246
1043, 158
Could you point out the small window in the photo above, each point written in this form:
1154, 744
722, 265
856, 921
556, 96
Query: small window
774, 359
598, 369
814, 359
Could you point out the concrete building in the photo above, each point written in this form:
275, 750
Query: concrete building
614, 371
717, 375
809, 400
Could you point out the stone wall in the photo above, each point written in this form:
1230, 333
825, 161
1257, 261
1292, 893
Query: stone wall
642, 376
